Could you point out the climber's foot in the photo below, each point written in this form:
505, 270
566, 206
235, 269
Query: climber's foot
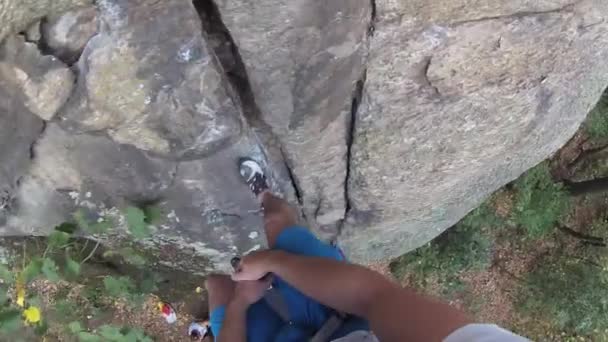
251, 171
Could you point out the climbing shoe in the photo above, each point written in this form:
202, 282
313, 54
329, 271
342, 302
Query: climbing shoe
252, 173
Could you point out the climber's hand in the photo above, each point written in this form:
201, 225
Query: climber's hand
250, 291
254, 266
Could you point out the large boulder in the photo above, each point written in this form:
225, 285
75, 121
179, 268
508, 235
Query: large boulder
153, 120
462, 97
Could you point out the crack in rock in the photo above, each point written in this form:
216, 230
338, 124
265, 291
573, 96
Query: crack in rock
518, 15
230, 58
425, 76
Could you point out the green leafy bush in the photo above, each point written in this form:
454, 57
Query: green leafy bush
461, 248
64, 259
573, 293
540, 202
597, 120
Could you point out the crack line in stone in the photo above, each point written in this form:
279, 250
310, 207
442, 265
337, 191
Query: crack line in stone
517, 15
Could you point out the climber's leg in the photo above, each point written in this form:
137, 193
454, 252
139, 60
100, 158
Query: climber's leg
278, 216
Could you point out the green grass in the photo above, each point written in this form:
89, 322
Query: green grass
462, 248
540, 202
573, 293
597, 120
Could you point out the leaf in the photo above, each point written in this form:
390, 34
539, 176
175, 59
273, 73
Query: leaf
41, 328
67, 227
118, 287
6, 275
84, 336
154, 214
111, 333
72, 268
50, 270
136, 221
130, 256
3, 296
81, 220
98, 226
58, 239
32, 270
10, 320
75, 327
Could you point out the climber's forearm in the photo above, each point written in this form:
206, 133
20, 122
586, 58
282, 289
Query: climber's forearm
342, 286
395, 314
234, 328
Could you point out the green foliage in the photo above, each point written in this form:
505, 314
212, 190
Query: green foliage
136, 222
597, 120
6, 275
108, 333
32, 270
50, 270
99, 226
57, 239
45, 265
154, 214
540, 202
464, 247
72, 268
119, 287
10, 321
572, 293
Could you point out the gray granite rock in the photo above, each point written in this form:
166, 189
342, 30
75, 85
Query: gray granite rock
17, 15
66, 34
303, 59
462, 97
45, 82
154, 83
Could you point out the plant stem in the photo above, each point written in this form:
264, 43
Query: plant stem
86, 244
90, 254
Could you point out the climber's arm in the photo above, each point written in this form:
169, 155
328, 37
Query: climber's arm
395, 314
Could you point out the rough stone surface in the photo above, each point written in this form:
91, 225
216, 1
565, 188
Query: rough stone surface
303, 59
19, 129
17, 15
462, 97
46, 83
66, 34
32, 33
154, 84
390, 131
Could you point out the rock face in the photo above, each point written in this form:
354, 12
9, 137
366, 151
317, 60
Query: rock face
45, 82
16, 15
385, 122
66, 34
462, 97
304, 87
